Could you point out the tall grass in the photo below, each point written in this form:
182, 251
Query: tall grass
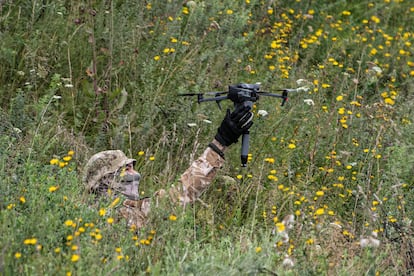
80, 77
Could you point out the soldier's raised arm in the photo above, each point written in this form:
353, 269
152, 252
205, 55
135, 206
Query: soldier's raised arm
197, 178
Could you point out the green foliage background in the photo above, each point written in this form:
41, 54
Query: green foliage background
86, 76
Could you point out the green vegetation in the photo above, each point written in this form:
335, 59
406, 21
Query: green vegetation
77, 77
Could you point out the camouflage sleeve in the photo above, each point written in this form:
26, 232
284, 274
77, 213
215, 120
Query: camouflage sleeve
197, 178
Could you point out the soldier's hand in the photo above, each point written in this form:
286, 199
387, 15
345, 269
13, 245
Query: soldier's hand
234, 125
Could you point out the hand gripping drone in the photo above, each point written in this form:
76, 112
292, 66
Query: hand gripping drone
242, 94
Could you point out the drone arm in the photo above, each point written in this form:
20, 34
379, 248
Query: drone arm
213, 99
271, 95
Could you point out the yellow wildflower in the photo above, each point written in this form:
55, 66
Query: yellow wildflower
75, 258
320, 212
54, 161
53, 188
291, 146
31, 241
280, 227
67, 158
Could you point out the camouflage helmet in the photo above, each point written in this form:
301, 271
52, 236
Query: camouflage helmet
104, 163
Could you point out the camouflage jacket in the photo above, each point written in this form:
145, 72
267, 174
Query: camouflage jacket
197, 178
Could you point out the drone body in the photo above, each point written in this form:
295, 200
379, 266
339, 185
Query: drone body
242, 94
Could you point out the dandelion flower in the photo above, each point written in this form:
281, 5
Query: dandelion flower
110, 220
69, 222
173, 218
280, 227
320, 212
320, 193
102, 212
54, 161
67, 158
389, 101
53, 189
17, 255
375, 19
31, 241
75, 258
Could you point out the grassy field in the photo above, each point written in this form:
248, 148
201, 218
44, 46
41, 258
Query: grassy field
329, 185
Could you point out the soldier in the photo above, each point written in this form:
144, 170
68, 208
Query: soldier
112, 172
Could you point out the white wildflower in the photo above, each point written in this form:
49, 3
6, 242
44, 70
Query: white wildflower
369, 242
301, 82
288, 262
374, 242
364, 242
376, 69
191, 124
303, 89
262, 113
17, 130
207, 121
308, 101
191, 4
57, 97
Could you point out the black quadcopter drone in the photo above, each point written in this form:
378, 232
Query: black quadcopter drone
242, 94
